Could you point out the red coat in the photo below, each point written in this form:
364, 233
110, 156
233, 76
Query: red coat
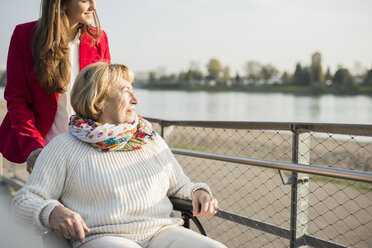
31, 110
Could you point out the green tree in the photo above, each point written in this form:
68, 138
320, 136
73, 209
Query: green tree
238, 79
316, 72
198, 75
297, 75
226, 73
328, 75
344, 80
214, 69
182, 77
152, 77
301, 75
193, 75
305, 77
268, 71
253, 70
189, 75
168, 80
286, 78
194, 70
368, 78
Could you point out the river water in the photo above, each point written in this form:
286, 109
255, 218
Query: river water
244, 106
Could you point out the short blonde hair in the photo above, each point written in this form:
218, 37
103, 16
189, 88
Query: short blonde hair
92, 87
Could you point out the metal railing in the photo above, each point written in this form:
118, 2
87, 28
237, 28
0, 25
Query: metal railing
278, 184
262, 175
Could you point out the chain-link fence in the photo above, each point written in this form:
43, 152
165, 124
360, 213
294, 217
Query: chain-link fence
277, 208
312, 210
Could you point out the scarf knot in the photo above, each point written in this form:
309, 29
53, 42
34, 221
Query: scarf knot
112, 137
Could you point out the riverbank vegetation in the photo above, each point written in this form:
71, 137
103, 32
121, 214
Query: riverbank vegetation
305, 79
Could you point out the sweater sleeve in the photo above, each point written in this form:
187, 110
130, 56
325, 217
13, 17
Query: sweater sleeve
19, 97
37, 199
180, 185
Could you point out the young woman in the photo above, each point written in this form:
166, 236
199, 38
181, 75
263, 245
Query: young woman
43, 60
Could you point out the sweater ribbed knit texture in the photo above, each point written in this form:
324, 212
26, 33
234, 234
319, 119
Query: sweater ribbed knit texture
116, 193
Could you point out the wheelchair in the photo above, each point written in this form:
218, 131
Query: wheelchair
183, 206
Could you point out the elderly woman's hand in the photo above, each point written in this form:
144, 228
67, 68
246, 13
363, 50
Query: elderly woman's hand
68, 224
204, 204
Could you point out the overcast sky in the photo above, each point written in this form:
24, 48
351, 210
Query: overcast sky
148, 34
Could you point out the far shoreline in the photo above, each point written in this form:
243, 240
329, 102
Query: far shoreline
269, 89
297, 90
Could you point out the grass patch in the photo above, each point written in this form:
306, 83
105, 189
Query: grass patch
354, 184
191, 147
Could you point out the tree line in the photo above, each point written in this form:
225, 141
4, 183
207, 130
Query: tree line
218, 75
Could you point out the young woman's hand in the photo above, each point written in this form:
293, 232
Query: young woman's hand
204, 204
68, 224
32, 159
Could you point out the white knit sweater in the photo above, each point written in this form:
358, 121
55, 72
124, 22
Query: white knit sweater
116, 193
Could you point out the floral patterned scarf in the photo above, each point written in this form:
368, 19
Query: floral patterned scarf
110, 137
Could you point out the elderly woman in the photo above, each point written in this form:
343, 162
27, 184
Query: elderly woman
107, 182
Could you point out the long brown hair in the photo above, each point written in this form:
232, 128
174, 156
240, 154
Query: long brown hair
50, 48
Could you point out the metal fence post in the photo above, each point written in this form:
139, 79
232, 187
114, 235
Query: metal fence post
300, 189
167, 134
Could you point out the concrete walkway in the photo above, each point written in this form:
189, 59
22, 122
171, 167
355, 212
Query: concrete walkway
12, 233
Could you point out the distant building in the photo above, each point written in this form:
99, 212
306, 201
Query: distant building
212, 83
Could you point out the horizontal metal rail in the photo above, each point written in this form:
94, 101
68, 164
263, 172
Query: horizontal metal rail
11, 183
309, 169
256, 224
275, 230
334, 128
317, 242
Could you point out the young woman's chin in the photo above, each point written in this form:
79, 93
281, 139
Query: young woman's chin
86, 20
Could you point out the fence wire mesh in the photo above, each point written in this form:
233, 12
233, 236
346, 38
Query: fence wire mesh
336, 210
341, 151
340, 211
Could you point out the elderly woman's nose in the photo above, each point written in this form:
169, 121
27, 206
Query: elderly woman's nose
134, 99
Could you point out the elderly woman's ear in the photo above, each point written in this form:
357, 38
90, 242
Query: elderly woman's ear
99, 106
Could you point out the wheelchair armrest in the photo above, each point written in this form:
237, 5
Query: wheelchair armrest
181, 204
185, 207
